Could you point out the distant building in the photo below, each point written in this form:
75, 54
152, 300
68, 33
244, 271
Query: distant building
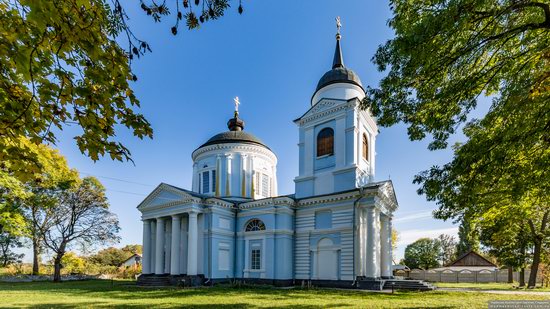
471, 261
133, 261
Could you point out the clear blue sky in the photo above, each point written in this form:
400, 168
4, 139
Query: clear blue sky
272, 57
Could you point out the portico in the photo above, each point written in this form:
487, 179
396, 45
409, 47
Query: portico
175, 235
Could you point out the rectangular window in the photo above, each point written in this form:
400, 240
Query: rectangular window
256, 259
323, 220
265, 185
205, 182
213, 180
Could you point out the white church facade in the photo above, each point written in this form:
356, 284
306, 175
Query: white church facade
232, 224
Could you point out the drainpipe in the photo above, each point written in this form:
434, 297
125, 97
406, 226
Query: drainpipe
354, 232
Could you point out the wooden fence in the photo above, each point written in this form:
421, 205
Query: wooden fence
470, 276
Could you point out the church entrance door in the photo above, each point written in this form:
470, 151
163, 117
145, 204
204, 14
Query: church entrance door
327, 260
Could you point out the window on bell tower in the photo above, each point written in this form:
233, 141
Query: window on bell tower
365, 147
325, 142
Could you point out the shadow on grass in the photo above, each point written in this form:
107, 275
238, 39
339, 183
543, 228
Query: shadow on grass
248, 297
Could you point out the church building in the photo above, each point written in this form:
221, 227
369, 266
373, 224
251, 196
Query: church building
335, 230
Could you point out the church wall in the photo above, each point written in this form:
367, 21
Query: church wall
276, 242
308, 238
220, 243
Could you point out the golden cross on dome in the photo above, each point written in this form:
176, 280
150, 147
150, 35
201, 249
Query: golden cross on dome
237, 103
338, 24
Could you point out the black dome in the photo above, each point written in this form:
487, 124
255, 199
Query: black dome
339, 72
339, 75
234, 137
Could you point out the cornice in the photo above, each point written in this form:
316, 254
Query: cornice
275, 201
319, 113
197, 154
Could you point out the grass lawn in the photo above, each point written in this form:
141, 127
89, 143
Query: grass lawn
100, 293
489, 286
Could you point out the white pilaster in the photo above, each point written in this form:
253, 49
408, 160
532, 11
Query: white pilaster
227, 184
146, 260
175, 258
385, 250
159, 250
370, 265
192, 245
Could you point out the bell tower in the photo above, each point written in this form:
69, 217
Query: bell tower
336, 137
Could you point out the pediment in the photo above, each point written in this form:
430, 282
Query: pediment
387, 191
164, 194
322, 106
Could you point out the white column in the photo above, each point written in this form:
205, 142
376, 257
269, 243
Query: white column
377, 241
153, 249
385, 250
167, 245
159, 250
175, 258
192, 245
146, 260
370, 271
362, 241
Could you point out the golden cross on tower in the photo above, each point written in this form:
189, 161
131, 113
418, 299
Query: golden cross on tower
237, 103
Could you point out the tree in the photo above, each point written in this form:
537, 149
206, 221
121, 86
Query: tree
444, 56
423, 253
394, 241
73, 264
8, 242
55, 175
81, 216
448, 247
507, 240
62, 64
111, 256
467, 237
209, 10
133, 249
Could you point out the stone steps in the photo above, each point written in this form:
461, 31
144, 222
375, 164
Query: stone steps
157, 280
410, 285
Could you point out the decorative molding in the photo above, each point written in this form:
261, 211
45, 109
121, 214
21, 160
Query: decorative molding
237, 147
272, 201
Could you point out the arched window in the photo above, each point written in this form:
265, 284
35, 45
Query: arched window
365, 147
255, 225
325, 142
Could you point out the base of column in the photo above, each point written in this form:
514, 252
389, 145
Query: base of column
387, 277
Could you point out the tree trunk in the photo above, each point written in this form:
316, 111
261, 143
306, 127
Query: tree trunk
510, 275
35, 257
535, 265
57, 268
522, 277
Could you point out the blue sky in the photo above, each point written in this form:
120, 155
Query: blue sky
272, 57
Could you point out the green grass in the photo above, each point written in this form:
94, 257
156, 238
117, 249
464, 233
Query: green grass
489, 286
100, 293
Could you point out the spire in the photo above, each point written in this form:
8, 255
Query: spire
338, 61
